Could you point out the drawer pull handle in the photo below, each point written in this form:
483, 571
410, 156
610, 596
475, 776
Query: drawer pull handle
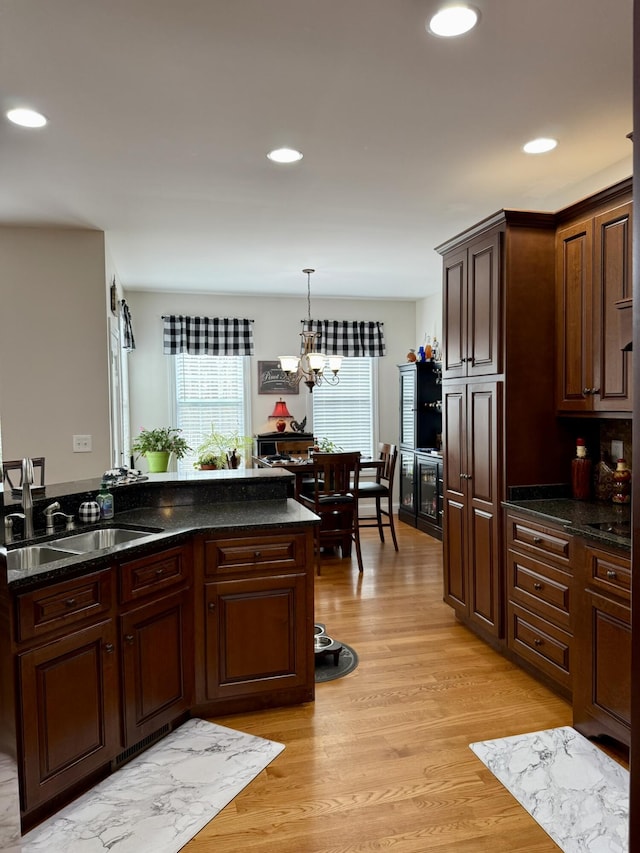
70, 602
537, 540
108, 648
611, 574
211, 607
159, 573
538, 642
129, 639
538, 586
257, 554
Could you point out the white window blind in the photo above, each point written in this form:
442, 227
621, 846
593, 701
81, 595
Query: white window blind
344, 413
209, 393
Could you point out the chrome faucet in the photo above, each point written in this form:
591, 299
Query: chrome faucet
27, 497
8, 526
51, 514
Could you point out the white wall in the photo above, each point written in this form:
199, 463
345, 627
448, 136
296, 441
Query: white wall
53, 348
429, 318
276, 329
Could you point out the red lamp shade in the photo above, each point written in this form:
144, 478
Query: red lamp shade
280, 410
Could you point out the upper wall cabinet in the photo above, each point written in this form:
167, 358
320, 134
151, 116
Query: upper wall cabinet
471, 305
593, 256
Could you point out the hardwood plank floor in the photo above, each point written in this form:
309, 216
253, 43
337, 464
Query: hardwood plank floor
381, 760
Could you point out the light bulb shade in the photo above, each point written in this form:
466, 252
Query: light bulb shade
280, 410
335, 363
316, 360
289, 363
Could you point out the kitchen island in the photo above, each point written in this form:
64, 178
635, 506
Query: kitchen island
209, 612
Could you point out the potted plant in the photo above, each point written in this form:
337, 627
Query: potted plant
222, 450
157, 445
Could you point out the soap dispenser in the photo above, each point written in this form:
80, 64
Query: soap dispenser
105, 501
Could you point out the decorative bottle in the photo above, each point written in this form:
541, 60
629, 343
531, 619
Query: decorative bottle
581, 473
428, 350
621, 483
105, 501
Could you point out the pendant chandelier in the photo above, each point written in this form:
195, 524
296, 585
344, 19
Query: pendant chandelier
311, 366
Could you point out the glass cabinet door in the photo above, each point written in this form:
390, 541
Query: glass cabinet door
407, 481
408, 407
428, 503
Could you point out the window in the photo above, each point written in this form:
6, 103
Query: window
210, 389
344, 413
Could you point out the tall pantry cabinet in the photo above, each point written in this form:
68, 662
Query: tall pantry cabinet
499, 424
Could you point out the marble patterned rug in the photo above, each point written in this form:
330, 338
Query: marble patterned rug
577, 793
162, 798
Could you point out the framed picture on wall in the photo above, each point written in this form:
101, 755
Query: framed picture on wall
273, 380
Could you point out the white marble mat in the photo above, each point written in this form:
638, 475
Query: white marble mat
577, 794
162, 798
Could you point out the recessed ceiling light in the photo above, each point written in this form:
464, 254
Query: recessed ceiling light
453, 20
284, 155
540, 146
26, 118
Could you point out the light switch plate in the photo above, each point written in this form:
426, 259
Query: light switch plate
82, 444
617, 450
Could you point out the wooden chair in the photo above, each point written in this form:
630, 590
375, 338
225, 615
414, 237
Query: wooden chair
15, 465
335, 499
381, 488
291, 448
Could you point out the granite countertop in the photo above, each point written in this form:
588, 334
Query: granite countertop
580, 516
170, 525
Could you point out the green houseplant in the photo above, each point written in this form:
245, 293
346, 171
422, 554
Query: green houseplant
157, 445
220, 449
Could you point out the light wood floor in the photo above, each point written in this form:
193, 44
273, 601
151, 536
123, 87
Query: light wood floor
380, 761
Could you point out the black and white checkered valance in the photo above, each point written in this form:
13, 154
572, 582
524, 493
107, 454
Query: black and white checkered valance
348, 337
207, 335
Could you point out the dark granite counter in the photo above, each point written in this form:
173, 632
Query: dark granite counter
580, 518
172, 510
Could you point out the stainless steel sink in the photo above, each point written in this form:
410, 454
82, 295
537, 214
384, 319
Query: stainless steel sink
94, 540
33, 556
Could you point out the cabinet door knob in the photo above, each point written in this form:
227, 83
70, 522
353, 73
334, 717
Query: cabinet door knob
537, 585
129, 638
611, 574
211, 607
257, 554
538, 642
586, 391
537, 540
70, 602
108, 648
595, 390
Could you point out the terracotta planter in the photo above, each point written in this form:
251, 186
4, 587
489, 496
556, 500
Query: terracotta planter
208, 467
157, 461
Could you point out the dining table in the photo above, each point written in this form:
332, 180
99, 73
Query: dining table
302, 466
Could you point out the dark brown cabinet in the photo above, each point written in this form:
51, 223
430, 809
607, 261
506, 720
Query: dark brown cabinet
472, 490
68, 698
256, 628
471, 306
540, 592
156, 642
602, 682
157, 672
499, 418
593, 273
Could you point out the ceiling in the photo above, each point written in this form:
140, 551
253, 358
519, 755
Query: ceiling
161, 113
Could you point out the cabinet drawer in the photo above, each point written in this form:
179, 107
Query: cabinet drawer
56, 607
150, 574
540, 587
609, 572
230, 555
539, 539
543, 644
